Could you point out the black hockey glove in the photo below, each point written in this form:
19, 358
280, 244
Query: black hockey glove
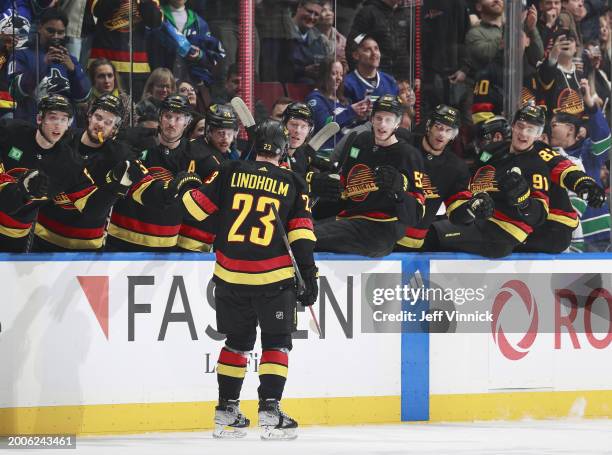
514, 188
180, 184
390, 180
481, 206
124, 175
324, 185
591, 192
34, 184
310, 275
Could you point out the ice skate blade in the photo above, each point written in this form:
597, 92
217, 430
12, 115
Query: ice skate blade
269, 433
227, 432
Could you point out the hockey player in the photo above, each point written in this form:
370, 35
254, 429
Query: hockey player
221, 130
150, 218
299, 120
446, 179
383, 176
36, 165
65, 226
254, 275
518, 175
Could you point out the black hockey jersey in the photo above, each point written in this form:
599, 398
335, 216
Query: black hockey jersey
445, 180
20, 152
362, 198
83, 228
144, 221
251, 254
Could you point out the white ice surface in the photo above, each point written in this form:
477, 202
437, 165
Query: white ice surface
568, 437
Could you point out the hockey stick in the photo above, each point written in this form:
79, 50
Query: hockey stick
300, 281
243, 113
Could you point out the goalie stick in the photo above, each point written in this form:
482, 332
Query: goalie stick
300, 281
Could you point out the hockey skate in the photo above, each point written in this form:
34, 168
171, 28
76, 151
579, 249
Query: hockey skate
275, 424
230, 423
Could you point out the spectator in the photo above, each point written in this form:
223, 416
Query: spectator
46, 68
408, 98
16, 25
159, 85
572, 12
185, 45
278, 108
222, 17
197, 127
111, 38
549, 23
586, 15
388, 23
104, 80
346, 10
187, 89
598, 79
230, 88
559, 76
328, 103
81, 27
589, 149
484, 40
605, 44
445, 65
335, 41
366, 80
273, 20
307, 48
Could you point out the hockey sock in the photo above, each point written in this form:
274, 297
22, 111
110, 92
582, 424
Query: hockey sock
273, 369
231, 369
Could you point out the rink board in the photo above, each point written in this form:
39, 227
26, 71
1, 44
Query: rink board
126, 343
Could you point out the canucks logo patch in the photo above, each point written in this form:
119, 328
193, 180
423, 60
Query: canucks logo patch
354, 153
15, 153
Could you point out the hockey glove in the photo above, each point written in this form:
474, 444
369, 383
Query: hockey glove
180, 184
325, 185
481, 206
310, 275
34, 184
591, 192
124, 175
514, 188
390, 180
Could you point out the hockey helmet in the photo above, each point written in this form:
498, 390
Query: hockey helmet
529, 113
175, 103
108, 103
485, 131
221, 116
388, 103
446, 115
54, 102
300, 111
271, 138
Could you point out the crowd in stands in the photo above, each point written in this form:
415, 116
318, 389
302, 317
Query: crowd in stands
337, 57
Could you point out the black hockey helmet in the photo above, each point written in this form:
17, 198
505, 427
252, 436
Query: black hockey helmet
485, 131
54, 102
529, 113
147, 110
300, 111
108, 103
271, 138
446, 115
175, 103
221, 116
388, 103
494, 152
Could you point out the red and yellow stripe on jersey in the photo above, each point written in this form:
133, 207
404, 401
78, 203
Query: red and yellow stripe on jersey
456, 200
567, 218
193, 238
300, 229
72, 238
143, 233
516, 228
413, 238
13, 228
254, 273
561, 170
198, 204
